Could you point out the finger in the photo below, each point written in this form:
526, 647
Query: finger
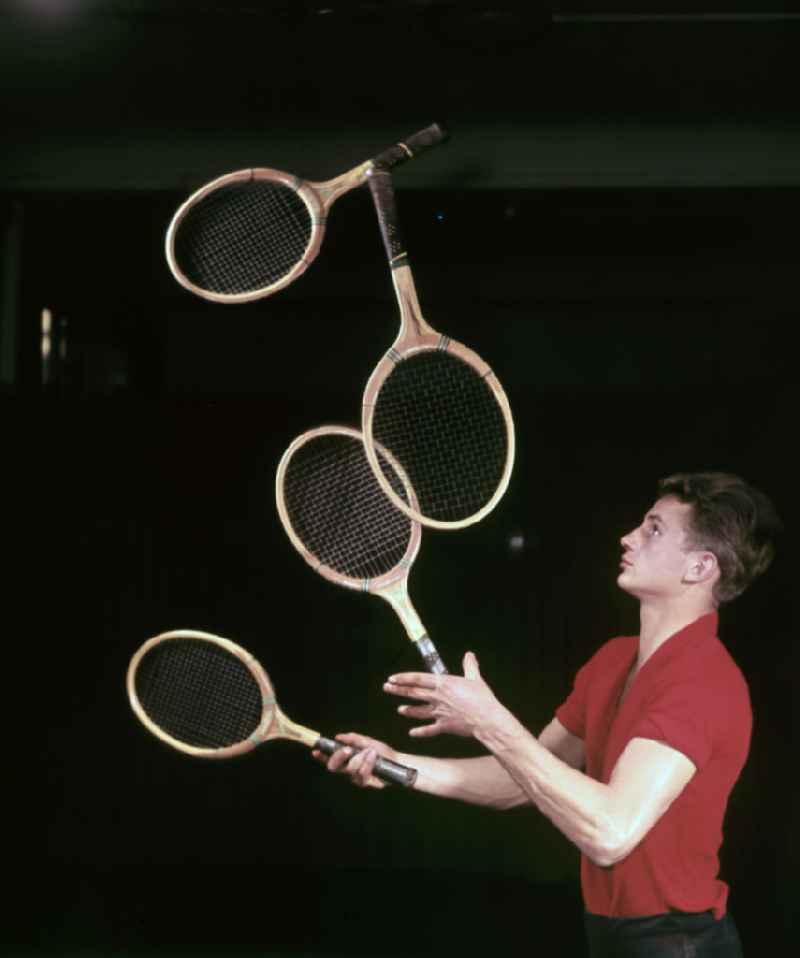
339, 759
419, 679
426, 731
361, 767
409, 692
416, 711
471, 670
367, 777
358, 741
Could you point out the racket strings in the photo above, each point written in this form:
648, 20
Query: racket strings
199, 693
445, 427
339, 511
243, 237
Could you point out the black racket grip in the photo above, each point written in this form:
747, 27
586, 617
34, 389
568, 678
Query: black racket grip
382, 189
411, 146
384, 768
431, 657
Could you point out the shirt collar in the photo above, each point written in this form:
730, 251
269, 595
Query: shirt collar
686, 638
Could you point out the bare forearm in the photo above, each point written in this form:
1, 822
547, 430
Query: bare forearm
576, 804
606, 821
484, 781
477, 781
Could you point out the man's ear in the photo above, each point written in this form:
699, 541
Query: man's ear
701, 567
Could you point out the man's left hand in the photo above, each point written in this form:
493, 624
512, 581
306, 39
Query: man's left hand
454, 705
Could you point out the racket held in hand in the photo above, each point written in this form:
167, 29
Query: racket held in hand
208, 697
435, 403
340, 521
248, 234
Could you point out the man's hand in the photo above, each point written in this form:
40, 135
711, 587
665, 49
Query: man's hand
357, 759
454, 705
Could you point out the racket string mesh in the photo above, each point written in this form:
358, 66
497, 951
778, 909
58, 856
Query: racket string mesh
339, 511
444, 425
199, 693
243, 237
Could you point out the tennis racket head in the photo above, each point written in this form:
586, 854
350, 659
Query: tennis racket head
248, 234
445, 416
337, 516
245, 235
208, 697
435, 403
202, 694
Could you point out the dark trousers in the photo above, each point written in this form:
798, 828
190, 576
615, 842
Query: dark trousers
674, 935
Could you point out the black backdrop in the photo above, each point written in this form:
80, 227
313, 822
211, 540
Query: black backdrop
637, 333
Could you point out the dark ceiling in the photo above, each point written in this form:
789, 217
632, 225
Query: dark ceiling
171, 65
580, 92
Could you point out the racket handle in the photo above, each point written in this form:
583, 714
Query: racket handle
389, 771
433, 661
411, 146
382, 189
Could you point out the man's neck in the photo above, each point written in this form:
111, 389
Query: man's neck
661, 619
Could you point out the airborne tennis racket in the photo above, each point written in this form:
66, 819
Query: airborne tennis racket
208, 697
435, 403
247, 234
344, 526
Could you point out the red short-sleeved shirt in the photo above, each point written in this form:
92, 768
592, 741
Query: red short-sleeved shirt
691, 696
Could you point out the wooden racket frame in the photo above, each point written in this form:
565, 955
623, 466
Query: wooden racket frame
392, 585
274, 723
417, 335
317, 196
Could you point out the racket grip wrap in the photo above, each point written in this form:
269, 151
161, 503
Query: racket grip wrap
431, 657
382, 189
385, 769
411, 146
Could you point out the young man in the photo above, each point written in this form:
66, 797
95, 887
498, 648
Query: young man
637, 765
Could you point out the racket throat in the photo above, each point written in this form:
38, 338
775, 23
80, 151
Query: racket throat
331, 190
287, 729
397, 597
412, 323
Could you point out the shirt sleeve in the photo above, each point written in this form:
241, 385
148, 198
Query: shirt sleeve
678, 715
572, 711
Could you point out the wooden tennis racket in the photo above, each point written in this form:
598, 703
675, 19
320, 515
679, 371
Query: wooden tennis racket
248, 234
435, 403
208, 697
340, 521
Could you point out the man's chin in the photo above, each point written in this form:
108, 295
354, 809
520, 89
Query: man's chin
623, 581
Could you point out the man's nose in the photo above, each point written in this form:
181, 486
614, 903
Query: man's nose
627, 540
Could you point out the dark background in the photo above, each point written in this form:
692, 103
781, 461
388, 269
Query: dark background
612, 226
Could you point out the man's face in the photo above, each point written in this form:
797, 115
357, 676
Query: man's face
654, 557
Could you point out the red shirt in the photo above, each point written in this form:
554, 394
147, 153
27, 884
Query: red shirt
691, 696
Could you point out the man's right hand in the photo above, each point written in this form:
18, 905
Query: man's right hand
357, 759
